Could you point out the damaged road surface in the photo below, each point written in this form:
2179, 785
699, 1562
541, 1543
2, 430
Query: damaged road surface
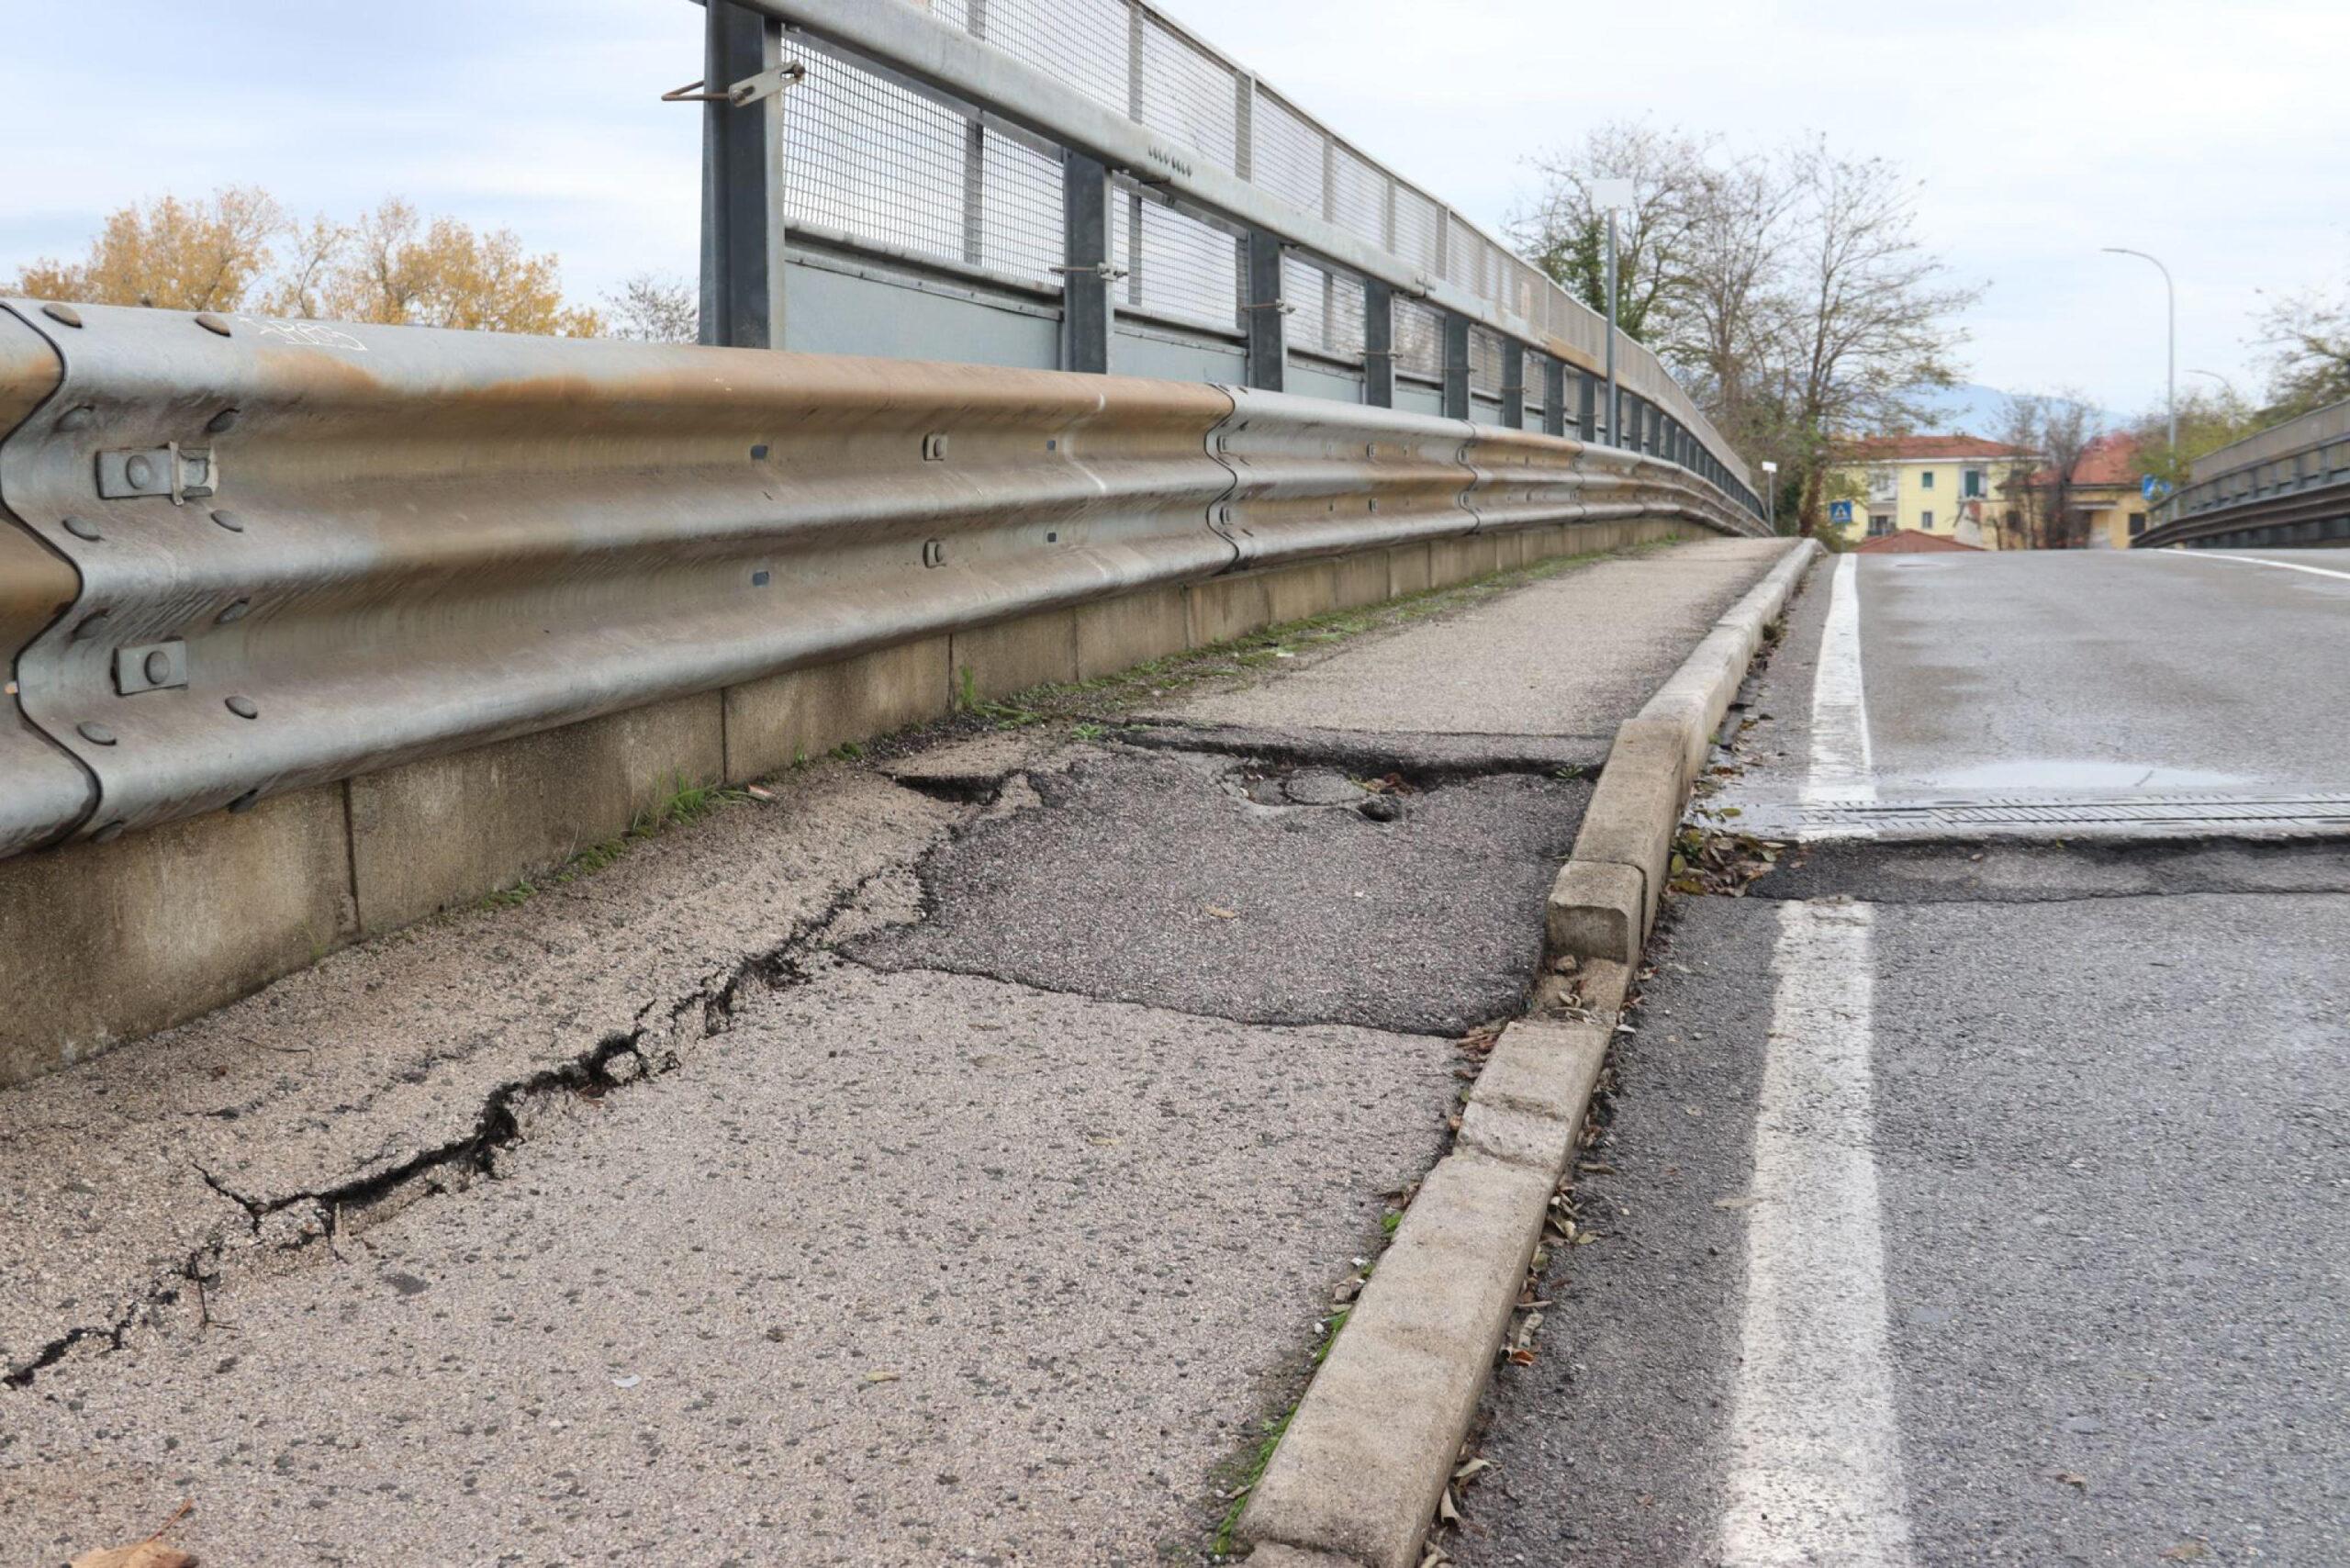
950, 1158
1973, 1187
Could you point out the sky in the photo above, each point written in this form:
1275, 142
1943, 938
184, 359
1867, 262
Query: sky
2208, 133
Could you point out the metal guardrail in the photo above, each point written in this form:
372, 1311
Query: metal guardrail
2285, 486
1098, 152
241, 555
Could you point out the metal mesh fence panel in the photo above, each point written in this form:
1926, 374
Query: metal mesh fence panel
1484, 360
1176, 265
1084, 43
1342, 319
879, 162
1188, 94
868, 159
1305, 289
1420, 229
1019, 208
1358, 197
1420, 340
1287, 156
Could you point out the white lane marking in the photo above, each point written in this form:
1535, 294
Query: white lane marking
1815, 1448
2254, 561
1842, 768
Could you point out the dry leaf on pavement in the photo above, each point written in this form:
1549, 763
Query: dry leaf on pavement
148, 1553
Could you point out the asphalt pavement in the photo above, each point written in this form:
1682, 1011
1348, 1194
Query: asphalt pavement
1973, 1192
952, 1157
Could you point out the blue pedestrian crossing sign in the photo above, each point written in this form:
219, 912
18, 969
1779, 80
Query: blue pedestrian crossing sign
1839, 511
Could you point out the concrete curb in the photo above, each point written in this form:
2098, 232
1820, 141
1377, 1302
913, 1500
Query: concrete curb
1594, 911
1373, 1443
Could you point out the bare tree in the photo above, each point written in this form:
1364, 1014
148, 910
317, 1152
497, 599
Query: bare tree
1565, 233
1867, 315
651, 309
1788, 292
2308, 339
2038, 496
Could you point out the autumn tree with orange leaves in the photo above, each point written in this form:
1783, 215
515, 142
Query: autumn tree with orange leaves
238, 251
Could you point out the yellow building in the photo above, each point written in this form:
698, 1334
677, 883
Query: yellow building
1950, 486
2106, 493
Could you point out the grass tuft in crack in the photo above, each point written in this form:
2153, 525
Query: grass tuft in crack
683, 806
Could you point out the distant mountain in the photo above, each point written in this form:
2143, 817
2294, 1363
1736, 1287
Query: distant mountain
1971, 409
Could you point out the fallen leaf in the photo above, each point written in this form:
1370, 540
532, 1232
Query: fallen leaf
880, 1377
1446, 1511
1472, 1468
2194, 1549
1220, 912
148, 1553
2069, 1479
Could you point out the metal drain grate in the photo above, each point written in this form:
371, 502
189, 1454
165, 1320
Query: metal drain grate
2074, 813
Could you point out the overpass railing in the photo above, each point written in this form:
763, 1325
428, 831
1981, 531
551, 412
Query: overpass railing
2288, 485
240, 555
1084, 185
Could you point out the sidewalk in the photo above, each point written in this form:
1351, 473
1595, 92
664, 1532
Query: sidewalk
951, 1158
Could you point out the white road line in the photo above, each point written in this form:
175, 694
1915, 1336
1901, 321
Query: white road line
1842, 768
2254, 561
1815, 1448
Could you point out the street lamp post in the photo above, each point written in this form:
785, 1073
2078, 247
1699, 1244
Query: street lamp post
2170, 291
1770, 495
1612, 196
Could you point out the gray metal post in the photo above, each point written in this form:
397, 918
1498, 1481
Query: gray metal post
1586, 407
742, 185
1378, 344
1085, 284
1615, 398
1455, 365
1266, 319
1554, 396
1512, 384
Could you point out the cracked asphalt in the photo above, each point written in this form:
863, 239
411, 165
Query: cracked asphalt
2033, 1166
915, 1169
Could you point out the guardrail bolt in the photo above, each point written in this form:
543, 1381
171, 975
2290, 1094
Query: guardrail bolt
212, 323
63, 314
107, 834
75, 419
81, 528
140, 471
229, 520
243, 707
158, 668
95, 733
934, 448
233, 611
90, 626
221, 420
934, 552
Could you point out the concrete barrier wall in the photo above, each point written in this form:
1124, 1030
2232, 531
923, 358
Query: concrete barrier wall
105, 942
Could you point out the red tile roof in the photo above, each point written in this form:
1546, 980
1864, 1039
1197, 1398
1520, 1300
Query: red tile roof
1908, 542
2109, 460
1895, 448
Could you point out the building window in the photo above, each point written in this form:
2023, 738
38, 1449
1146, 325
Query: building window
1925, 478
1970, 484
1925, 519
1879, 525
2137, 524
